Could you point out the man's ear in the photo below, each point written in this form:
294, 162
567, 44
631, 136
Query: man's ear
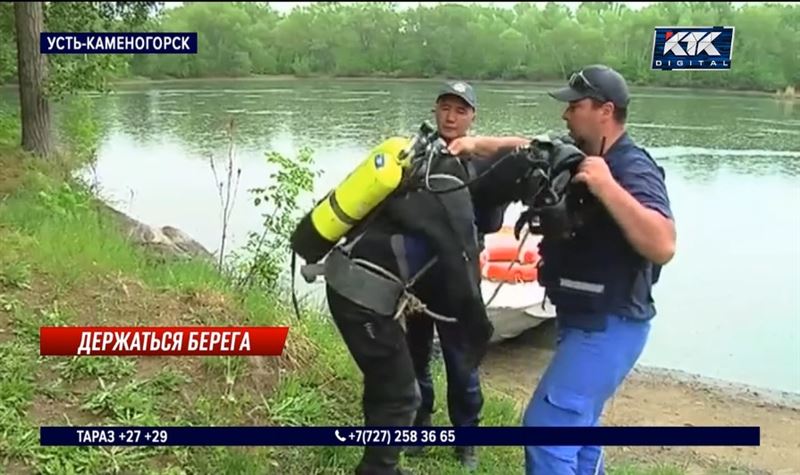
610, 107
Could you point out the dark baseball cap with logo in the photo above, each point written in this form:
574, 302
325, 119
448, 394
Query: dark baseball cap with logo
597, 81
460, 89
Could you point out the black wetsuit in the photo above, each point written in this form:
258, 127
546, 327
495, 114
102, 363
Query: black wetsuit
441, 225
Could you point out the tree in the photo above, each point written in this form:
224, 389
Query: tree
37, 133
42, 81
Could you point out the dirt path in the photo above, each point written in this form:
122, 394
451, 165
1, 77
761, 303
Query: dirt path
661, 398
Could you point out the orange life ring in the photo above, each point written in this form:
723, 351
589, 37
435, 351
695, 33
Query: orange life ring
510, 253
500, 272
503, 260
502, 246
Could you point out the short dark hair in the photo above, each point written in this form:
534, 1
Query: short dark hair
620, 113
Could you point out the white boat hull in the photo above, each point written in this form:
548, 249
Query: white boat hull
517, 307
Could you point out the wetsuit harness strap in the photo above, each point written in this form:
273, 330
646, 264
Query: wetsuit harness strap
361, 284
408, 302
372, 286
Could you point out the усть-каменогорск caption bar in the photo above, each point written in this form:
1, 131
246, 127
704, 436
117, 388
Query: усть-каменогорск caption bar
118, 43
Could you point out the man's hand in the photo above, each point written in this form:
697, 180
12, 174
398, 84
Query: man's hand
462, 145
650, 233
594, 172
484, 147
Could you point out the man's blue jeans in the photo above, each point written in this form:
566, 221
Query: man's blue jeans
586, 370
464, 396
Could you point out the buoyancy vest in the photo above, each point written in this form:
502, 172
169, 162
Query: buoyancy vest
596, 271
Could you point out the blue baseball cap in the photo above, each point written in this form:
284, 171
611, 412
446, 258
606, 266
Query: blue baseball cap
598, 82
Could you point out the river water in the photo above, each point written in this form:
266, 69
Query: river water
729, 302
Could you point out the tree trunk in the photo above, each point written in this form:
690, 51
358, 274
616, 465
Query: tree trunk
37, 134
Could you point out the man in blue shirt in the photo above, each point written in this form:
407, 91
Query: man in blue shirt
601, 278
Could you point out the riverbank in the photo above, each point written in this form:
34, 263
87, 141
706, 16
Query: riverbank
64, 262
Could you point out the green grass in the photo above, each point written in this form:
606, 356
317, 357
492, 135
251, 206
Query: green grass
62, 263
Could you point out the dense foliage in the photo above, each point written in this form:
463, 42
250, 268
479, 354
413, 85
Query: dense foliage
69, 73
382, 39
474, 41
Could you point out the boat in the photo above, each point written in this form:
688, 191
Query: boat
515, 300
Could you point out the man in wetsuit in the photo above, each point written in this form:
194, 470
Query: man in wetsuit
455, 110
409, 230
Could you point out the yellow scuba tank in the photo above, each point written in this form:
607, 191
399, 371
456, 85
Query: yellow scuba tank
360, 192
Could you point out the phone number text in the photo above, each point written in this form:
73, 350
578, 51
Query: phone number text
403, 436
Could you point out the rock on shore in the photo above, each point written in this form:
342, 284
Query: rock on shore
167, 241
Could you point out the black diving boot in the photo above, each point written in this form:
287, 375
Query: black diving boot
468, 457
379, 460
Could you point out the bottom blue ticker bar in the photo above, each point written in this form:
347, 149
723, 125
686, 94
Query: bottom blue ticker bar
359, 436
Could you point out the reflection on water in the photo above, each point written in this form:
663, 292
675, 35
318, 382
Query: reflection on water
729, 305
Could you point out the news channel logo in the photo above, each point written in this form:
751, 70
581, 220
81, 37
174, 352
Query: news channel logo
693, 48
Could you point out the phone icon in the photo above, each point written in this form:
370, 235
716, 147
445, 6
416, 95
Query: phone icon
336, 433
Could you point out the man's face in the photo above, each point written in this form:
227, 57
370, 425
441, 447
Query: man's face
586, 121
453, 117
